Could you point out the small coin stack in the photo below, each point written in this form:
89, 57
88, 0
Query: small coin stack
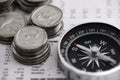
48, 17
5, 5
30, 45
10, 23
30, 5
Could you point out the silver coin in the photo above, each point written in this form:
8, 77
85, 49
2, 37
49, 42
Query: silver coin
30, 58
57, 31
31, 61
10, 39
10, 23
9, 2
31, 38
47, 16
30, 5
6, 6
36, 1
5, 42
3, 2
9, 9
33, 53
48, 2
24, 7
24, 2
43, 59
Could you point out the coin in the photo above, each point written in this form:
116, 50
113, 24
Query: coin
5, 5
33, 62
30, 45
30, 5
36, 1
24, 7
31, 38
48, 17
29, 58
55, 32
10, 23
26, 53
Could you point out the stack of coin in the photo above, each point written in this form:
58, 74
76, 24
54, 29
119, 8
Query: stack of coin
30, 5
10, 23
30, 45
48, 17
5, 5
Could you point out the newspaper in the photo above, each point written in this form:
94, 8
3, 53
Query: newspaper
75, 12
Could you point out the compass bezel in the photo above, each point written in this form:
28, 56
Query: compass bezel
78, 71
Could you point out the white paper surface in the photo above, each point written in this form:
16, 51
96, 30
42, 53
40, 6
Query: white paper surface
75, 12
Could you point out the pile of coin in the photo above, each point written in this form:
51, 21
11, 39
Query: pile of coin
30, 45
10, 23
30, 5
48, 17
5, 5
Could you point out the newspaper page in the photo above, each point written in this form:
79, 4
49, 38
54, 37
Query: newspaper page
75, 12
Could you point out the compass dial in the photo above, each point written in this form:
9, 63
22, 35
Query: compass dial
92, 47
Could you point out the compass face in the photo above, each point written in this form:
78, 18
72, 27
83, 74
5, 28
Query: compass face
92, 47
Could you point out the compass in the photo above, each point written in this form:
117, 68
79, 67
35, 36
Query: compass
91, 49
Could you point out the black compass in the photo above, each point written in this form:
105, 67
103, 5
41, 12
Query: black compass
92, 47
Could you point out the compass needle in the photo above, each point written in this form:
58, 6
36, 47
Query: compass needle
84, 62
100, 47
84, 58
97, 62
90, 61
103, 49
105, 53
83, 47
104, 57
85, 52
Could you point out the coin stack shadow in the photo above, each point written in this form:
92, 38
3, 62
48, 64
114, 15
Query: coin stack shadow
30, 5
48, 17
6, 5
31, 46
